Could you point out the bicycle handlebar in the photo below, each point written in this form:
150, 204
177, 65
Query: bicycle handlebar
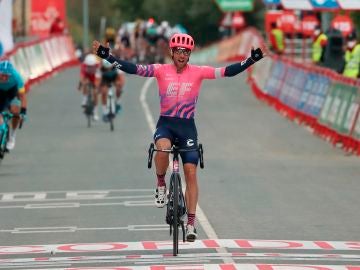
8, 115
173, 150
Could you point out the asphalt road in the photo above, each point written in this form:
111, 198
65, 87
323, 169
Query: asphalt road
77, 198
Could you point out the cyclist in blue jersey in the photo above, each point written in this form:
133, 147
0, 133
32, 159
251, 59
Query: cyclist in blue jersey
179, 86
12, 97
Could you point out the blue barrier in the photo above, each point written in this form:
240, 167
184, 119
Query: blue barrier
276, 78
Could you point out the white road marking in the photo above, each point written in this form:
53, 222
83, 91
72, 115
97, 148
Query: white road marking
200, 215
72, 229
168, 258
133, 203
199, 244
232, 266
78, 194
51, 205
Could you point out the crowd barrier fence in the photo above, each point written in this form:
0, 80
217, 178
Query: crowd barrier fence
39, 59
319, 98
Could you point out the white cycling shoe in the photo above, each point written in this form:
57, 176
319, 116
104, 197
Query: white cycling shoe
96, 117
10, 145
160, 197
191, 233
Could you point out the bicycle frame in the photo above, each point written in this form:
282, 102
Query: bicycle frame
89, 107
175, 191
4, 132
110, 103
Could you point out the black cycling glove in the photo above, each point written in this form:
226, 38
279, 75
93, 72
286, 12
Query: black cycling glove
256, 54
103, 52
23, 111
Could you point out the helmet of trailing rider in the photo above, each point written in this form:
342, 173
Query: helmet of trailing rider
6, 67
91, 60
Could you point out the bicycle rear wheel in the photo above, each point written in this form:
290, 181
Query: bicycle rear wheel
4, 136
89, 106
111, 120
111, 106
176, 216
88, 120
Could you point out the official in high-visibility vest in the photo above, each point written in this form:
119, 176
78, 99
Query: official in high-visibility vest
352, 57
318, 46
277, 39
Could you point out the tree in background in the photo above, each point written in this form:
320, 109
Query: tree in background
200, 17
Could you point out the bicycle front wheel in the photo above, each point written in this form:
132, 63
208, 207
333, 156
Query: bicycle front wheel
175, 224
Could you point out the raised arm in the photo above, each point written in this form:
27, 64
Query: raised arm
234, 69
104, 53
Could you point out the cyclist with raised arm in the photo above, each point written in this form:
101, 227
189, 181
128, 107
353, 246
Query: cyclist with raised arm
179, 85
12, 97
110, 75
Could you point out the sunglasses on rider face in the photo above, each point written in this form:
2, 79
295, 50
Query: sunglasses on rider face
183, 51
4, 76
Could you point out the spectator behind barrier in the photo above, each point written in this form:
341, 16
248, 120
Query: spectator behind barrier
318, 47
277, 39
352, 57
334, 51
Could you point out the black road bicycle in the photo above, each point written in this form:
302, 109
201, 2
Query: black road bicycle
110, 104
176, 205
5, 131
89, 105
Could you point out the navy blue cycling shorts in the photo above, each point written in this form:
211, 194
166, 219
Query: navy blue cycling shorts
181, 130
6, 97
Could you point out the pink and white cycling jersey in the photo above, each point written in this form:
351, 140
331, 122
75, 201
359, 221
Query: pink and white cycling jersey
179, 91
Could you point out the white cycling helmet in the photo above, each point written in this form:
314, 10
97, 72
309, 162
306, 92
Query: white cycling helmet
91, 60
106, 64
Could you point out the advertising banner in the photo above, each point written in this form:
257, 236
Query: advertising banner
294, 84
235, 5
6, 38
297, 4
43, 14
271, 2
316, 87
325, 4
288, 21
308, 25
349, 4
343, 23
275, 82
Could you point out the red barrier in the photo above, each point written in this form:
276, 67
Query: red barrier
284, 93
38, 59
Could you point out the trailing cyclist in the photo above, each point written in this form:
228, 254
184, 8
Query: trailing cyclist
12, 97
179, 86
90, 73
110, 76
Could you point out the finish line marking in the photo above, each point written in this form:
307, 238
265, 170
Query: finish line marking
141, 258
222, 267
199, 244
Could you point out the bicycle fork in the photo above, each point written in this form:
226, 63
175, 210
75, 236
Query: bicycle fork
175, 180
